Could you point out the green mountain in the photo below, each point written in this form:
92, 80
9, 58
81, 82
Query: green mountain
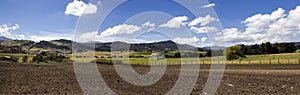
66, 45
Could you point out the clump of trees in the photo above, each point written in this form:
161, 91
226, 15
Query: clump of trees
234, 52
25, 59
185, 55
237, 52
51, 57
268, 48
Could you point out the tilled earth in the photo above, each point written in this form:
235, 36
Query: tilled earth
61, 79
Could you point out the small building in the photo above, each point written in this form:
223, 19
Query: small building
156, 56
6, 58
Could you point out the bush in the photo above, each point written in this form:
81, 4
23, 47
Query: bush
298, 51
234, 52
25, 59
14, 59
38, 58
110, 62
104, 61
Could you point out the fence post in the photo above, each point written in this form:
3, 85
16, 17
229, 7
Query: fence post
239, 61
231, 61
270, 61
249, 62
288, 61
259, 61
278, 61
203, 61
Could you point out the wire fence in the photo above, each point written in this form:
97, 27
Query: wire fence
263, 61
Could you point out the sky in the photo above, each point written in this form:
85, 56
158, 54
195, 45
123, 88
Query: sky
195, 22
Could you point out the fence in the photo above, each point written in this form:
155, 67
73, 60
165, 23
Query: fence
264, 61
270, 61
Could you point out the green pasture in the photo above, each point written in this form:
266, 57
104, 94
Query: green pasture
288, 58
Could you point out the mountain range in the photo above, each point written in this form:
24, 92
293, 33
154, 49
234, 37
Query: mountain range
2, 38
67, 45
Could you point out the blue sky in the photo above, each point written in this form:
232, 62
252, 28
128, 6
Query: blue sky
47, 20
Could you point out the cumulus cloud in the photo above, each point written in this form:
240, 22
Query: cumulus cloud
5, 30
202, 20
120, 29
149, 25
260, 22
203, 39
277, 26
87, 36
46, 38
190, 41
235, 35
176, 22
209, 5
79, 8
204, 29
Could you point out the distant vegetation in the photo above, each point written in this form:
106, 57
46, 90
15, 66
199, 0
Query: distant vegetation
26, 51
268, 48
234, 52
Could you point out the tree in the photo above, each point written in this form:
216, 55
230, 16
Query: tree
25, 59
177, 55
38, 58
208, 53
234, 52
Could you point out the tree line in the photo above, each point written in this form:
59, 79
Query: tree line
237, 52
268, 48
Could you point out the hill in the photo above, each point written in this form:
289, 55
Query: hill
2, 38
66, 45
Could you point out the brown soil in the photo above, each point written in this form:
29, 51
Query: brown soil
60, 79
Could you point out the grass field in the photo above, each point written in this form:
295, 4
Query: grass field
288, 58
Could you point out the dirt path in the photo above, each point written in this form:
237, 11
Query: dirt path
238, 79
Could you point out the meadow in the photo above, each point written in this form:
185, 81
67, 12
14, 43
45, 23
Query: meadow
287, 58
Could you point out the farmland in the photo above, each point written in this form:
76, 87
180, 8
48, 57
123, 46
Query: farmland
60, 79
286, 58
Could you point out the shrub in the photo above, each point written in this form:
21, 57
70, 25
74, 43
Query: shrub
234, 52
110, 62
14, 59
25, 59
298, 51
38, 58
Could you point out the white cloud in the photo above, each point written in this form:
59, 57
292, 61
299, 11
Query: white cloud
79, 8
209, 5
190, 41
48, 36
87, 36
203, 39
120, 29
259, 22
204, 29
149, 25
274, 27
176, 22
203, 20
22, 36
234, 35
5, 30
122, 39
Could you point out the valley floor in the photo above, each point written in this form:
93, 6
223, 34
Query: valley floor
61, 79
